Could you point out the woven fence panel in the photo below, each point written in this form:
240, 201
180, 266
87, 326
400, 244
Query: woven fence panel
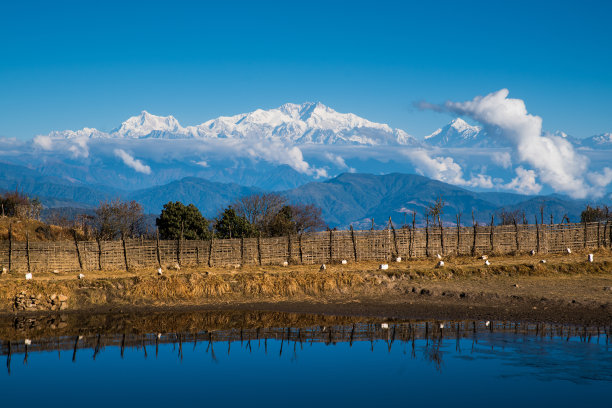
309, 248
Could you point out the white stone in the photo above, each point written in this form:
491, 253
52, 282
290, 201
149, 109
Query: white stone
439, 256
398, 259
543, 261
285, 263
532, 252
383, 266
590, 258
344, 262
487, 263
81, 276
440, 264
569, 251
28, 276
159, 271
55, 271
4, 271
484, 257
384, 325
323, 267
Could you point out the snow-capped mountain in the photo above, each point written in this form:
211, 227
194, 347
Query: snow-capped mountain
308, 123
458, 133
603, 141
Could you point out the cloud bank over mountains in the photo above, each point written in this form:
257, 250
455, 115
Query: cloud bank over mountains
290, 145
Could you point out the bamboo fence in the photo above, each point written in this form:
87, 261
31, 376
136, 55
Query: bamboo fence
307, 248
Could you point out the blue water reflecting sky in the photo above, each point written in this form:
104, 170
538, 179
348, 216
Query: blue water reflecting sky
492, 369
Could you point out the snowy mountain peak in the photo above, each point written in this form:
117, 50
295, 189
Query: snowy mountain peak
306, 123
457, 133
145, 124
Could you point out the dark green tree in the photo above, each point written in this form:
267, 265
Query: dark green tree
177, 218
231, 225
595, 214
282, 223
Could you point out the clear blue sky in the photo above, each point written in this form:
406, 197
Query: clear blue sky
66, 65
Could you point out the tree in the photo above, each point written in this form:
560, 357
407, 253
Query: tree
231, 225
118, 218
295, 219
595, 214
179, 220
16, 204
259, 209
436, 210
509, 217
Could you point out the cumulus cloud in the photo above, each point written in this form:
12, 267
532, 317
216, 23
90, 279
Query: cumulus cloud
553, 158
601, 179
444, 169
79, 148
338, 161
504, 159
43, 142
524, 182
130, 161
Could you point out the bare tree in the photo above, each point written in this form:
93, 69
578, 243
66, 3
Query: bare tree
259, 209
307, 218
509, 217
118, 218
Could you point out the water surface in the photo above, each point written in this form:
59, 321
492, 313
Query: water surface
234, 359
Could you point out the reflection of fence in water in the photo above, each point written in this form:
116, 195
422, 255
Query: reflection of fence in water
318, 247
434, 333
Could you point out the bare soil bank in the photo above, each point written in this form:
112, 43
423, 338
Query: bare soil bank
565, 289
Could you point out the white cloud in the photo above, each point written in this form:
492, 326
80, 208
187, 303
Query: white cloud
503, 159
444, 169
338, 161
202, 163
130, 161
79, 148
44, 142
601, 179
553, 158
524, 182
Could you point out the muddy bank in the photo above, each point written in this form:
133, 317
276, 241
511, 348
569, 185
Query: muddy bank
564, 290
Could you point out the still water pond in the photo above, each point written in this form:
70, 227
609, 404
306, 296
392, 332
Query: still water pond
272, 359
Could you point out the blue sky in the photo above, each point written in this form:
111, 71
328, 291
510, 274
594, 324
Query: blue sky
66, 65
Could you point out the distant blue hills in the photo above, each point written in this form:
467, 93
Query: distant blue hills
350, 198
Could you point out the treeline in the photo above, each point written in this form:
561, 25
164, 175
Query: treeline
265, 215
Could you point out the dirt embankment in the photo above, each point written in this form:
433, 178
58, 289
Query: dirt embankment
565, 289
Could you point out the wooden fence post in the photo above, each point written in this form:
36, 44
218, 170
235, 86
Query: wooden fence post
585, 234
197, 248
354, 243
441, 234
394, 238
99, 253
475, 225
412, 251
289, 248
259, 248
516, 235
331, 245
28, 249
210, 251
492, 233
598, 228
78, 252
10, 254
178, 251
537, 234
157, 251
241, 250
427, 235
300, 248
458, 233
125, 256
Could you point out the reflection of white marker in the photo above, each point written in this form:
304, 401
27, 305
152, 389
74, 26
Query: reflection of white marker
487, 323
441, 325
384, 325
27, 342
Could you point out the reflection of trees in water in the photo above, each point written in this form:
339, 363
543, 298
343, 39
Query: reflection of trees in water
431, 336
